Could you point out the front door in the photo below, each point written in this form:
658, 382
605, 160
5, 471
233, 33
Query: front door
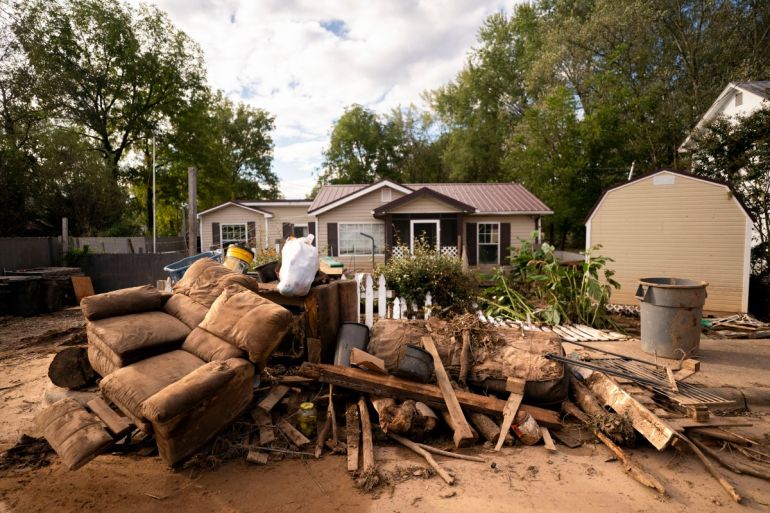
427, 230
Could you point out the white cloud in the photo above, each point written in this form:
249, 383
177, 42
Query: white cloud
305, 61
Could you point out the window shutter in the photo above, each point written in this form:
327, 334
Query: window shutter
216, 241
251, 234
331, 238
505, 243
287, 229
470, 242
311, 231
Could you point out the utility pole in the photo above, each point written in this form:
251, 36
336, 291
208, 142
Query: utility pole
154, 216
192, 211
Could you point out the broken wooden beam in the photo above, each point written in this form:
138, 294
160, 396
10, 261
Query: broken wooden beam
547, 440
292, 434
271, 399
353, 431
462, 430
454, 455
425, 454
370, 383
516, 387
657, 431
367, 445
117, 426
359, 358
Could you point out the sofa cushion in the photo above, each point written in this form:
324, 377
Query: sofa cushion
100, 361
121, 302
185, 309
130, 386
194, 388
249, 321
205, 280
129, 338
209, 347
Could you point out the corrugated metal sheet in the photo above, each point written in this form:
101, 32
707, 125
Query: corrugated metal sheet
487, 198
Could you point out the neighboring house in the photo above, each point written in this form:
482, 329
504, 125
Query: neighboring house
484, 219
738, 99
673, 224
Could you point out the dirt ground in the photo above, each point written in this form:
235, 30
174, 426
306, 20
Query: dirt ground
521, 478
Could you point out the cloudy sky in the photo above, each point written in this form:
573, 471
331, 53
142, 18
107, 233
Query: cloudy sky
305, 60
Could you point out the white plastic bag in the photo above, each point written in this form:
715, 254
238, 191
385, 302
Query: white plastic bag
299, 265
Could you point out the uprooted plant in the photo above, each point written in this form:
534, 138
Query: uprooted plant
540, 288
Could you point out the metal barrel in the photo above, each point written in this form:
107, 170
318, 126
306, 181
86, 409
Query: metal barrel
670, 313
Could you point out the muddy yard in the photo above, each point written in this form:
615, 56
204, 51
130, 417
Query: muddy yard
522, 478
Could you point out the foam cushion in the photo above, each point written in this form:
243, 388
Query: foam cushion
129, 338
185, 309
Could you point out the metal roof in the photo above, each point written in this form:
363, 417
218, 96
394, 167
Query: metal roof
486, 198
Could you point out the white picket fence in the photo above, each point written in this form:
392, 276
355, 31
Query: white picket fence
388, 307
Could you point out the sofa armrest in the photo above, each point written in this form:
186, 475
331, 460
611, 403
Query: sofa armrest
121, 302
196, 387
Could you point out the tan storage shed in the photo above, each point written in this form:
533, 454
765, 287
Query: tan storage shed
673, 224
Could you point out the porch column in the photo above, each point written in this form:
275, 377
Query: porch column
460, 232
388, 236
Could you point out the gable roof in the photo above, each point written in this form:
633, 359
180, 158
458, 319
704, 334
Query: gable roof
759, 88
423, 192
735, 195
239, 205
486, 198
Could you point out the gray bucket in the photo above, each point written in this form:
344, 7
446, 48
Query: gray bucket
671, 312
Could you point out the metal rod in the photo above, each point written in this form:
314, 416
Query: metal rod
630, 358
599, 368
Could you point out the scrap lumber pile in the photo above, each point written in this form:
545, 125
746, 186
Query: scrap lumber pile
736, 326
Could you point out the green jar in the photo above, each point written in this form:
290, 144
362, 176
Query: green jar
306, 418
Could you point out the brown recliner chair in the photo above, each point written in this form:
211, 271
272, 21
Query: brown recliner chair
179, 366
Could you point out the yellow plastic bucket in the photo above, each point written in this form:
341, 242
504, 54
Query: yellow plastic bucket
238, 258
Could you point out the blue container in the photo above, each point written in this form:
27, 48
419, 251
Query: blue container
177, 269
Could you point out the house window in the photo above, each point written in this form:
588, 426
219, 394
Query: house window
353, 243
385, 194
489, 243
738, 99
232, 233
300, 230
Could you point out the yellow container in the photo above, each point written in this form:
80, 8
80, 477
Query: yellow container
238, 258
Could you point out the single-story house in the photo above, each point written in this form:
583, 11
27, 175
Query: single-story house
674, 224
484, 219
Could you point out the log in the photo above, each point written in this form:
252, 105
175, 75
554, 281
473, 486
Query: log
465, 357
462, 430
367, 445
712, 469
425, 454
332, 415
353, 431
292, 434
427, 416
454, 455
70, 368
610, 423
631, 467
450, 422
359, 358
516, 387
488, 428
657, 431
322, 435
720, 434
117, 426
736, 466
370, 383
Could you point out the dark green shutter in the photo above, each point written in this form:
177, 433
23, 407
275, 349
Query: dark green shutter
311, 231
471, 242
216, 241
331, 239
287, 229
505, 243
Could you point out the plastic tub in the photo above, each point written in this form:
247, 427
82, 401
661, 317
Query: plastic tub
351, 335
177, 269
670, 315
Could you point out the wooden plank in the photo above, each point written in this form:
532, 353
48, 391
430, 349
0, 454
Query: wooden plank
292, 434
392, 386
671, 379
353, 430
516, 387
276, 394
83, 287
369, 301
256, 457
657, 431
462, 428
367, 446
118, 426
368, 361
547, 440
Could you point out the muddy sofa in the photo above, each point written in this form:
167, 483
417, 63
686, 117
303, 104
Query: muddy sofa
181, 366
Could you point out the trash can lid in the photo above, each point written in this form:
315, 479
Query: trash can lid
673, 283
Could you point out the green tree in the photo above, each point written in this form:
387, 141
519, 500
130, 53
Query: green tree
737, 152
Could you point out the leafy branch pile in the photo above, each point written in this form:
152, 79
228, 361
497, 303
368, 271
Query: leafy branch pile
412, 275
541, 289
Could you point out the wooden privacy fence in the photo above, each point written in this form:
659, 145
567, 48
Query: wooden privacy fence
388, 306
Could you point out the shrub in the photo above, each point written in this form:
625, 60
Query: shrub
540, 288
412, 276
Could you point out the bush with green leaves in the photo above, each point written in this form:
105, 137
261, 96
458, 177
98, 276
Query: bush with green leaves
412, 275
540, 288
